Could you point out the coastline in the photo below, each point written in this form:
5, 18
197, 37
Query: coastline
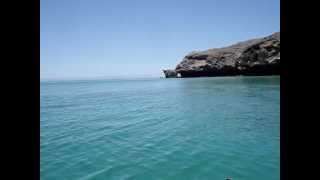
254, 57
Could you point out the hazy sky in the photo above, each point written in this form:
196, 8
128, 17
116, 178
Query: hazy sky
90, 38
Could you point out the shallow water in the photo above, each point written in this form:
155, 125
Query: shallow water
145, 129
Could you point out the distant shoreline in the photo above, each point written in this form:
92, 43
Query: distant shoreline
148, 78
255, 57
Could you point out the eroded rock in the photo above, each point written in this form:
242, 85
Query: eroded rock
253, 57
169, 73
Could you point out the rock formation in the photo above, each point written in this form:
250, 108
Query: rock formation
170, 73
253, 57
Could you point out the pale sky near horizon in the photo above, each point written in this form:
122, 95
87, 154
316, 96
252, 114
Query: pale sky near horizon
118, 38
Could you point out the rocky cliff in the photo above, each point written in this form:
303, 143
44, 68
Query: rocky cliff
253, 57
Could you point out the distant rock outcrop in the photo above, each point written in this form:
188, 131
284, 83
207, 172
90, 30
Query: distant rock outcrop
170, 73
253, 57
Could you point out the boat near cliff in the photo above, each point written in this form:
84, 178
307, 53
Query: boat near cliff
257, 57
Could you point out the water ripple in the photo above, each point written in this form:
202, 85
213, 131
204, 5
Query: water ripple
203, 128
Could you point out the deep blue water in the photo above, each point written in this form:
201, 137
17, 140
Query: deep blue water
146, 129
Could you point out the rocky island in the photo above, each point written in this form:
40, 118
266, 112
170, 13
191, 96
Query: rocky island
252, 57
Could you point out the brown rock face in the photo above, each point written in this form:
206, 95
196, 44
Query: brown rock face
253, 57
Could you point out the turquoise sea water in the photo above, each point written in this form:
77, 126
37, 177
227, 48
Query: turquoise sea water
146, 129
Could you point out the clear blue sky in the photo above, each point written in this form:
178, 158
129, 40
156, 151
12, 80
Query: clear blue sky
92, 38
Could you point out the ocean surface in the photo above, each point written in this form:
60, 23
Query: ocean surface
156, 128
